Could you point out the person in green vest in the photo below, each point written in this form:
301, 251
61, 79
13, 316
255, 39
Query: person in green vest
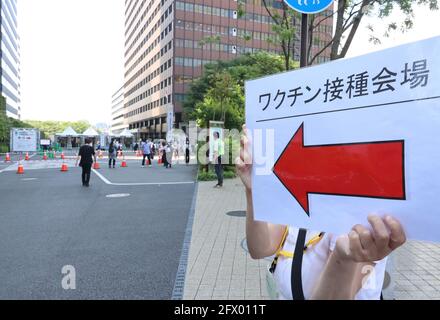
218, 152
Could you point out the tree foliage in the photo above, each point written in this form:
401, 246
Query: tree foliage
219, 93
50, 128
348, 15
6, 124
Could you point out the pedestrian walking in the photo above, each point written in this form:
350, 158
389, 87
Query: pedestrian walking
187, 151
313, 265
86, 156
169, 154
218, 153
153, 151
146, 152
112, 155
166, 153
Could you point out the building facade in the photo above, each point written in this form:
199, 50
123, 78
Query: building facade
117, 109
10, 58
164, 51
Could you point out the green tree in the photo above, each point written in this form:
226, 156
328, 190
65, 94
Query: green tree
348, 16
284, 29
50, 128
227, 78
224, 102
6, 124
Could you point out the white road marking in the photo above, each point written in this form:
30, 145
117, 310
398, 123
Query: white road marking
106, 181
118, 195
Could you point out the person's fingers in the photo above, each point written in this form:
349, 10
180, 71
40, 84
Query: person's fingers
381, 235
397, 234
242, 154
245, 152
365, 237
239, 164
356, 251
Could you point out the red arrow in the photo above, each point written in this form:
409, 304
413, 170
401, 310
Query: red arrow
371, 169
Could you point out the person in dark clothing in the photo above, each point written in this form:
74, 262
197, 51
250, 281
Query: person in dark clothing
165, 151
187, 151
218, 152
111, 155
87, 155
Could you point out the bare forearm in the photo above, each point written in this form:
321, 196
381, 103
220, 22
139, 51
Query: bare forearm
260, 239
340, 280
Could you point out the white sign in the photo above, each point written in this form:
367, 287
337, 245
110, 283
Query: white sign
45, 142
336, 142
170, 123
24, 140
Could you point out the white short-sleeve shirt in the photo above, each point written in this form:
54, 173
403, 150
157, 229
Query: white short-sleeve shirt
313, 264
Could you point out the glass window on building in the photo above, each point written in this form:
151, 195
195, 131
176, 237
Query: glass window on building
189, 7
216, 12
198, 8
207, 10
188, 62
198, 27
180, 5
225, 13
180, 24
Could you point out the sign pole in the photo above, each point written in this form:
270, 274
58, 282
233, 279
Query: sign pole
304, 39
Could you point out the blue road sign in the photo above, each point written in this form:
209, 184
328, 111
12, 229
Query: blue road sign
309, 6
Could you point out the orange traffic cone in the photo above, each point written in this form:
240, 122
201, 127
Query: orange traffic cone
64, 167
8, 157
62, 156
20, 169
26, 158
45, 155
96, 166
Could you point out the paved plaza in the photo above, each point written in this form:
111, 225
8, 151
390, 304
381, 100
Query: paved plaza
120, 247
219, 267
170, 238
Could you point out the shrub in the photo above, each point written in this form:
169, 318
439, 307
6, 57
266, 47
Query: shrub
211, 176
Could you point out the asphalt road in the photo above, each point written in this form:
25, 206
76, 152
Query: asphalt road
121, 248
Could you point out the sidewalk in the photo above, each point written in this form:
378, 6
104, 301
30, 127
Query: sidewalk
219, 266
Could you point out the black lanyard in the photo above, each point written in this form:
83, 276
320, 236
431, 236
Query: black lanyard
296, 277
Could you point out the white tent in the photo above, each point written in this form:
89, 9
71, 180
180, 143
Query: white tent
69, 132
126, 134
90, 132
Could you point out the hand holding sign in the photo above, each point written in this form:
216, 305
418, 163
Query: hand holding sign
363, 245
244, 162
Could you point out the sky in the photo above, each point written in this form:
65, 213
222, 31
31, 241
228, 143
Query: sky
426, 24
72, 54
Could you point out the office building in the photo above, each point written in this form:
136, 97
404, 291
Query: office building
117, 109
10, 58
164, 52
